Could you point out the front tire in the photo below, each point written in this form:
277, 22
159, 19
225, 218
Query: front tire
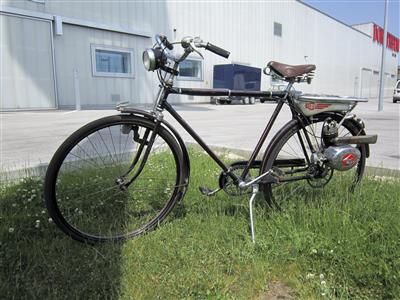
84, 193
285, 151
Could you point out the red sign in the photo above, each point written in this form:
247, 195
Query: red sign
312, 106
349, 160
392, 42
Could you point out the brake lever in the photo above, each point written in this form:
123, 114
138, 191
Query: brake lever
198, 52
198, 42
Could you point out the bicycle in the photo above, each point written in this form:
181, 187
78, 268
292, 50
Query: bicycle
141, 164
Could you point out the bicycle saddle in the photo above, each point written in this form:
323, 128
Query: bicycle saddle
289, 71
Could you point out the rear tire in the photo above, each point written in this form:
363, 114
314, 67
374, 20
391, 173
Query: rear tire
83, 193
286, 144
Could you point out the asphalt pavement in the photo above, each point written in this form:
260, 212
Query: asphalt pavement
29, 139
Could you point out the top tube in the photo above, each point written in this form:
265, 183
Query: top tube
225, 92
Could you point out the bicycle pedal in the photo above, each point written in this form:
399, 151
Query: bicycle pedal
208, 192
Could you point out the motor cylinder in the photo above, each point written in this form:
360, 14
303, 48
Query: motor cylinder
329, 131
342, 158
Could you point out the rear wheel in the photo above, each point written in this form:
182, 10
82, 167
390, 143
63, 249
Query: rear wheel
100, 187
286, 157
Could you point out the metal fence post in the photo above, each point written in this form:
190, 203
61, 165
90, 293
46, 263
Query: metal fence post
382, 74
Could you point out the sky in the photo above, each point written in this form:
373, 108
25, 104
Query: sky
361, 11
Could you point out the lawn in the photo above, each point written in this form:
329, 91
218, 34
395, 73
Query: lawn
331, 245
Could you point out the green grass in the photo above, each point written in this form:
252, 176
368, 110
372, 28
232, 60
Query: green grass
205, 252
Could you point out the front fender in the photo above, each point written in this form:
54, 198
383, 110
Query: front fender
172, 130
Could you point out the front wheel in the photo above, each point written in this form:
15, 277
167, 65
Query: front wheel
287, 157
114, 179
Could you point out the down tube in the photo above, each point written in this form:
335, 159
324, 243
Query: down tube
197, 138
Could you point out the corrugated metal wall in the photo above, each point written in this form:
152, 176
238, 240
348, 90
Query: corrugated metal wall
73, 53
341, 53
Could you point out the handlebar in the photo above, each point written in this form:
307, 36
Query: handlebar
163, 41
217, 50
160, 57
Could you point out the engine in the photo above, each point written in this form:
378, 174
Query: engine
342, 158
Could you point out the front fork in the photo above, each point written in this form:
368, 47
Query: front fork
157, 112
121, 181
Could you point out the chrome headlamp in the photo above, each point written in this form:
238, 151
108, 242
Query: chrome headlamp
153, 59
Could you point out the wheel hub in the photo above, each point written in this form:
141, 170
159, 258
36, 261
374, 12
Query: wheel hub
320, 175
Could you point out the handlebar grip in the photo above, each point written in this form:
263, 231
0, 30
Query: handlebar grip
166, 42
217, 50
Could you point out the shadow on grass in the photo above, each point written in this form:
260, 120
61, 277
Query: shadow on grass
37, 261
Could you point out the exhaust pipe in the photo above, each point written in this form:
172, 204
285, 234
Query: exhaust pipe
359, 139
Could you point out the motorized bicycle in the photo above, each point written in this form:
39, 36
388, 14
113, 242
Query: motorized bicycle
120, 176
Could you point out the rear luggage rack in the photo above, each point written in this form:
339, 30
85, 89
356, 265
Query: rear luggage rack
329, 98
311, 104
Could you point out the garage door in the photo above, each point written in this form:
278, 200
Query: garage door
26, 74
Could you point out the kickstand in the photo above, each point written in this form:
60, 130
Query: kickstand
251, 202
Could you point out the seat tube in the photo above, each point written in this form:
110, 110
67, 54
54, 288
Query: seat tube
263, 137
267, 130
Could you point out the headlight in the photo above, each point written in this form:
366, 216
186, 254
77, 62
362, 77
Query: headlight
149, 60
153, 59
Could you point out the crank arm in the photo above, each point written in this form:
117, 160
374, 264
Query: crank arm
208, 192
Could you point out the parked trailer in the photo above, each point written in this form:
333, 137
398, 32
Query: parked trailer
236, 77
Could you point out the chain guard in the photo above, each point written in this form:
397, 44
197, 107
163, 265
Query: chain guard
226, 183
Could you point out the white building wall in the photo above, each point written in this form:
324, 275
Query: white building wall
26, 64
345, 57
74, 58
367, 28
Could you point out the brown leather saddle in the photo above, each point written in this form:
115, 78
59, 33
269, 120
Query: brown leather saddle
289, 71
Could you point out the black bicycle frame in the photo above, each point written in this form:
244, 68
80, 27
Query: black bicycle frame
276, 96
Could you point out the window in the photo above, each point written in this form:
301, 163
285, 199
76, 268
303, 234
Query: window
112, 62
191, 69
277, 29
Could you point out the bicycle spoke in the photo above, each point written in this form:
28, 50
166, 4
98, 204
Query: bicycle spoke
90, 191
